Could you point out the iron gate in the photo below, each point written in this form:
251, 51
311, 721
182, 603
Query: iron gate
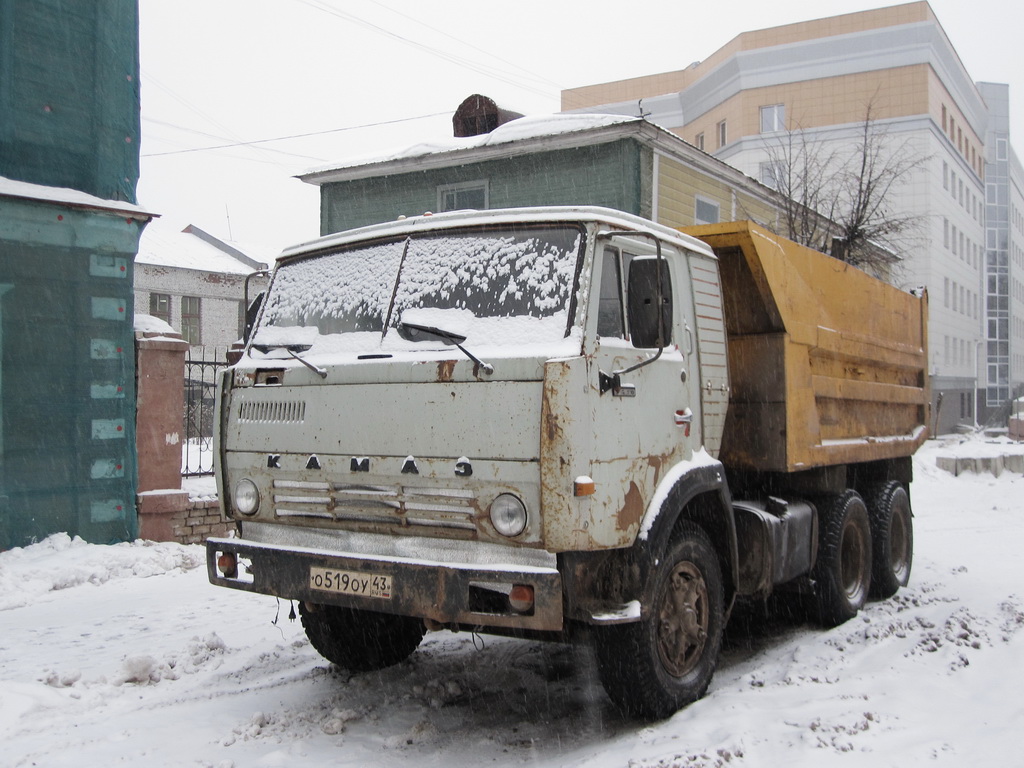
200, 389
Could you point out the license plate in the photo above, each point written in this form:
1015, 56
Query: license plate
350, 582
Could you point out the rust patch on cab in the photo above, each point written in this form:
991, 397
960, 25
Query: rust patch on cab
445, 370
632, 508
551, 427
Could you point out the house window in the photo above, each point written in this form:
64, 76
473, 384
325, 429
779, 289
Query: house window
706, 212
722, 134
241, 319
459, 197
160, 306
773, 118
700, 141
772, 173
190, 320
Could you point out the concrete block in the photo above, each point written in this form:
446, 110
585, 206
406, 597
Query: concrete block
1014, 462
992, 464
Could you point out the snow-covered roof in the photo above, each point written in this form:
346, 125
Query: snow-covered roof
167, 243
530, 127
72, 198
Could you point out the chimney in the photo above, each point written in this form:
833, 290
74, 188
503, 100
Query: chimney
477, 115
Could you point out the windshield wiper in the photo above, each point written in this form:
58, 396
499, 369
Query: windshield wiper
414, 332
293, 350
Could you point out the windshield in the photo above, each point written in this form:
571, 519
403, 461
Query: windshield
501, 287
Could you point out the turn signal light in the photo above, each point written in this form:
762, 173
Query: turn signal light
521, 598
228, 565
584, 486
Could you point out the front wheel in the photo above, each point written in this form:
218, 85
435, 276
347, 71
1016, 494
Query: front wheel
842, 573
653, 667
360, 641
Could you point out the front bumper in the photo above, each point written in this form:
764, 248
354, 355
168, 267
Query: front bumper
450, 593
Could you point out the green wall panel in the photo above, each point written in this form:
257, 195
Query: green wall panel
616, 175
67, 414
69, 95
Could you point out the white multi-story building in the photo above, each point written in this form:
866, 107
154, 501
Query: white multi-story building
818, 82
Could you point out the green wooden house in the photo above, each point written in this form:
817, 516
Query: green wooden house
624, 163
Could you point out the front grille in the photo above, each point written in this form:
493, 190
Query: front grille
272, 411
398, 506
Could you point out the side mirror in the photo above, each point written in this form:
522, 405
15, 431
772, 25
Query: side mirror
650, 304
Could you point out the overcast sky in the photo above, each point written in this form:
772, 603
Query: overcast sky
225, 81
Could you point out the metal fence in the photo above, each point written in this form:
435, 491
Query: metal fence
200, 389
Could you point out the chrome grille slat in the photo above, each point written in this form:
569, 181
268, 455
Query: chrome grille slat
397, 505
302, 484
419, 507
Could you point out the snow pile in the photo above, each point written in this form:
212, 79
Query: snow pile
146, 669
60, 562
521, 129
972, 446
151, 324
170, 671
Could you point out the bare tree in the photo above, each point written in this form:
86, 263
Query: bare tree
798, 168
840, 196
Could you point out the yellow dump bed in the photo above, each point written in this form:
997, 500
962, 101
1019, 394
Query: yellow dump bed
827, 364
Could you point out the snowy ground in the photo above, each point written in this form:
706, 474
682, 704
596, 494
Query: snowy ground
126, 655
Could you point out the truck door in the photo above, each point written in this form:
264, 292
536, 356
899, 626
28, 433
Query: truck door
645, 417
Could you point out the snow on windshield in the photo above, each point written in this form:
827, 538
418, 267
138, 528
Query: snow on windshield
496, 287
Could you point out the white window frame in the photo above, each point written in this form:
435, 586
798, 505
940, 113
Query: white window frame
464, 186
771, 173
773, 118
706, 201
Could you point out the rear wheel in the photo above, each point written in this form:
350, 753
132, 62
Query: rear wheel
842, 573
653, 667
892, 538
360, 641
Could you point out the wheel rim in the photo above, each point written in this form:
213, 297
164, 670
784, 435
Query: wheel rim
683, 617
899, 546
852, 559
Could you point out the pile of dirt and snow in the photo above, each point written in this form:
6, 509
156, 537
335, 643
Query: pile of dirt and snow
126, 654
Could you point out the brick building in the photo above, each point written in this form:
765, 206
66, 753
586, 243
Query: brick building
195, 282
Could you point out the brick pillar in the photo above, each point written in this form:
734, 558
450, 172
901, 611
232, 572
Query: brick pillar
160, 374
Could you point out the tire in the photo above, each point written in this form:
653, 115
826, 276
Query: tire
654, 667
892, 538
842, 573
360, 641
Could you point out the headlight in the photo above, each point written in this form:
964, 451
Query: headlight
247, 497
508, 515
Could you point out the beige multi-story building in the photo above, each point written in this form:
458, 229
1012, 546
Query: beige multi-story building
818, 82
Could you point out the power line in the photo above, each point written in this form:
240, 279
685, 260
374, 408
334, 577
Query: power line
483, 69
226, 141
295, 136
537, 77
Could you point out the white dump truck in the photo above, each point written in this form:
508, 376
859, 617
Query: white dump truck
569, 424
